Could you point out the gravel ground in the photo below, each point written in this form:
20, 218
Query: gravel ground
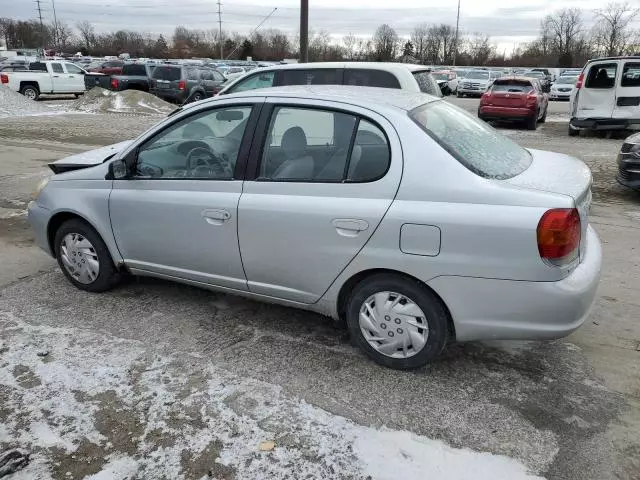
158, 377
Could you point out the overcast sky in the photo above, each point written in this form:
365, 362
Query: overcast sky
506, 25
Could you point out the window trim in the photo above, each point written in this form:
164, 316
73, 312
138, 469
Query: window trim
259, 139
248, 137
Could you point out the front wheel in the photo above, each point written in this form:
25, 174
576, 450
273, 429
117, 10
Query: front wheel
396, 321
84, 257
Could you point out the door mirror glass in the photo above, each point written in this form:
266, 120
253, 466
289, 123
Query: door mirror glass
118, 170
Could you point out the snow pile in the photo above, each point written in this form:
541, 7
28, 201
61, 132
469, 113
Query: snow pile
14, 104
75, 397
99, 100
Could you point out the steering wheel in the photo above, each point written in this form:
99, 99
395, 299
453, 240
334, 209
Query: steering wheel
207, 164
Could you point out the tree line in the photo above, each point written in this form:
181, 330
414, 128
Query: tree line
563, 40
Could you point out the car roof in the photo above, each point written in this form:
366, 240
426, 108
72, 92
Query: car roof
388, 66
372, 98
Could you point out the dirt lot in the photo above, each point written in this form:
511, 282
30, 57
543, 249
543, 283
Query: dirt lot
158, 380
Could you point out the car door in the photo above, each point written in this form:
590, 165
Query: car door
177, 213
207, 81
628, 96
597, 98
59, 79
219, 81
320, 179
75, 77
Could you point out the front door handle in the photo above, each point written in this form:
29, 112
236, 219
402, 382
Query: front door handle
349, 227
216, 216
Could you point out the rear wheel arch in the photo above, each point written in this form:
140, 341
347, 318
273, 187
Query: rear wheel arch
349, 285
30, 84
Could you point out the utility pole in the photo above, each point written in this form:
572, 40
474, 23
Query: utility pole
455, 47
220, 30
41, 24
304, 31
55, 25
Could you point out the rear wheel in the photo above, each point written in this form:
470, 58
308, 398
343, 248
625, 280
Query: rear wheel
544, 117
30, 91
396, 321
84, 257
532, 122
197, 97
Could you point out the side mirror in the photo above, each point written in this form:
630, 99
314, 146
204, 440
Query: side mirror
118, 170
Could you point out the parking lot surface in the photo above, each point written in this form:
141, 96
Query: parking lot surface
159, 380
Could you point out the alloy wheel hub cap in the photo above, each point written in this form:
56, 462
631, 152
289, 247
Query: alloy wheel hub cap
393, 325
79, 258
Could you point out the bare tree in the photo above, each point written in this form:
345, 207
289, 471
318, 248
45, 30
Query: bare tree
63, 35
350, 43
385, 43
87, 34
479, 49
612, 34
419, 38
566, 29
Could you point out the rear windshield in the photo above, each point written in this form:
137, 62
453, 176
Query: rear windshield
514, 86
134, 70
472, 142
427, 83
167, 73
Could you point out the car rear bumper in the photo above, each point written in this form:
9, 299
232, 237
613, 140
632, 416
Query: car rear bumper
492, 112
628, 171
484, 309
169, 95
605, 123
38, 217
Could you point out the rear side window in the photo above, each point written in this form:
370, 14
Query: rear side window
206, 75
602, 75
472, 142
514, 86
322, 76
57, 68
167, 73
370, 78
631, 75
427, 83
134, 70
260, 80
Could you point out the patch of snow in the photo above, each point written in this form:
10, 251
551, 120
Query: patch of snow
203, 412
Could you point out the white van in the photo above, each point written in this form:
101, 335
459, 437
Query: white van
607, 96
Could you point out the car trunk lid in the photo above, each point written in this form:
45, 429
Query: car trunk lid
562, 174
509, 99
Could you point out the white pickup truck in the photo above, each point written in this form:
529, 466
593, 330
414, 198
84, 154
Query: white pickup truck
51, 76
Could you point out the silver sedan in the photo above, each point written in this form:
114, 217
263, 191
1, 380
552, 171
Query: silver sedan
395, 212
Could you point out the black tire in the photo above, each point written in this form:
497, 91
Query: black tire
573, 132
197, 97
77, 95
459, 95
436, 315
532, 122
30, 91
108, 275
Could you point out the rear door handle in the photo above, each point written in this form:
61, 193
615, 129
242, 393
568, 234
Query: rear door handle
349, 227
216, 216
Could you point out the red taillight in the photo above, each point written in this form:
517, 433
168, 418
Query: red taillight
182, 85
4, 78
559, 235
532, 99
114, 83
580, 80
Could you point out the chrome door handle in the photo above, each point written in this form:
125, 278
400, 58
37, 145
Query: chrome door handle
216, 216
349, 227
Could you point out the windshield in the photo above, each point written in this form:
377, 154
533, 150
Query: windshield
477, 74
515, 86
472, 142
567, 80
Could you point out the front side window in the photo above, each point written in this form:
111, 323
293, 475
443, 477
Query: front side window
472, 142
370, 78
73, 69
217, 76
312, 145
259, 80
321, 76
631, 75
203, 146
602, 75
57, 68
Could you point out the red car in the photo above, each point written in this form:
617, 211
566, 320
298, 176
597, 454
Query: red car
110, 67
515, 99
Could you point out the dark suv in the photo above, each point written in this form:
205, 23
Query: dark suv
185, 83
